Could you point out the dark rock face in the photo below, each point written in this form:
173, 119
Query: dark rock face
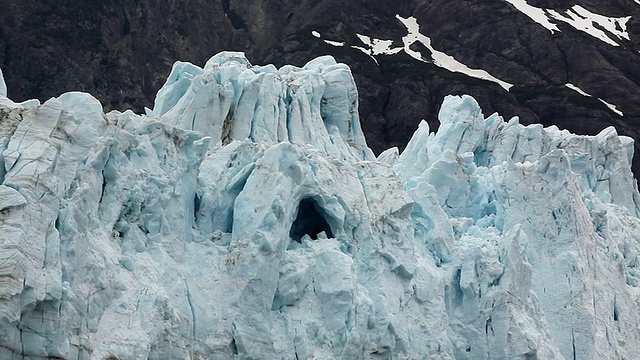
121, 51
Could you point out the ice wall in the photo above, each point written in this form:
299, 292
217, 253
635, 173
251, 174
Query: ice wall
245, 218
232, 100
566, 197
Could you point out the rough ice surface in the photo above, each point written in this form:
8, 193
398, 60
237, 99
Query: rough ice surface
245, 218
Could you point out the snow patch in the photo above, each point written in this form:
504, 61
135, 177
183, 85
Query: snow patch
596, 25
575, 88
439, 58
374, 47
536, 14
593, 24
377, 46
334, 43
612, 107
581, 92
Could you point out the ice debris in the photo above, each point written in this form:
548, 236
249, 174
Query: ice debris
245, 218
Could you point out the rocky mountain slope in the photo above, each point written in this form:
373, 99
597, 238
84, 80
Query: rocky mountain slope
121, 51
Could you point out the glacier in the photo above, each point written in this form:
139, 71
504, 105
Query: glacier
244, 217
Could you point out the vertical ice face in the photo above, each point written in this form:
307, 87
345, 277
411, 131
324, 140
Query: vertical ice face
555, 198
232, 100
244, 217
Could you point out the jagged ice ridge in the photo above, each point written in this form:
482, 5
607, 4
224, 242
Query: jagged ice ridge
245, 217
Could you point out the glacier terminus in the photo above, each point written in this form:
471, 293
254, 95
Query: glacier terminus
245, 217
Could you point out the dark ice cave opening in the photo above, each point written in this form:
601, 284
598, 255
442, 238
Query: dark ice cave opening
309, 221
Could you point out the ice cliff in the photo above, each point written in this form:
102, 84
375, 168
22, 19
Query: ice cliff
244, 217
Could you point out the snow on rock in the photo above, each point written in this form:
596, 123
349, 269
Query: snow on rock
439, 58
612, 107
244, 217
581, 92
536, 14
374, 47
596, 25
599, 26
